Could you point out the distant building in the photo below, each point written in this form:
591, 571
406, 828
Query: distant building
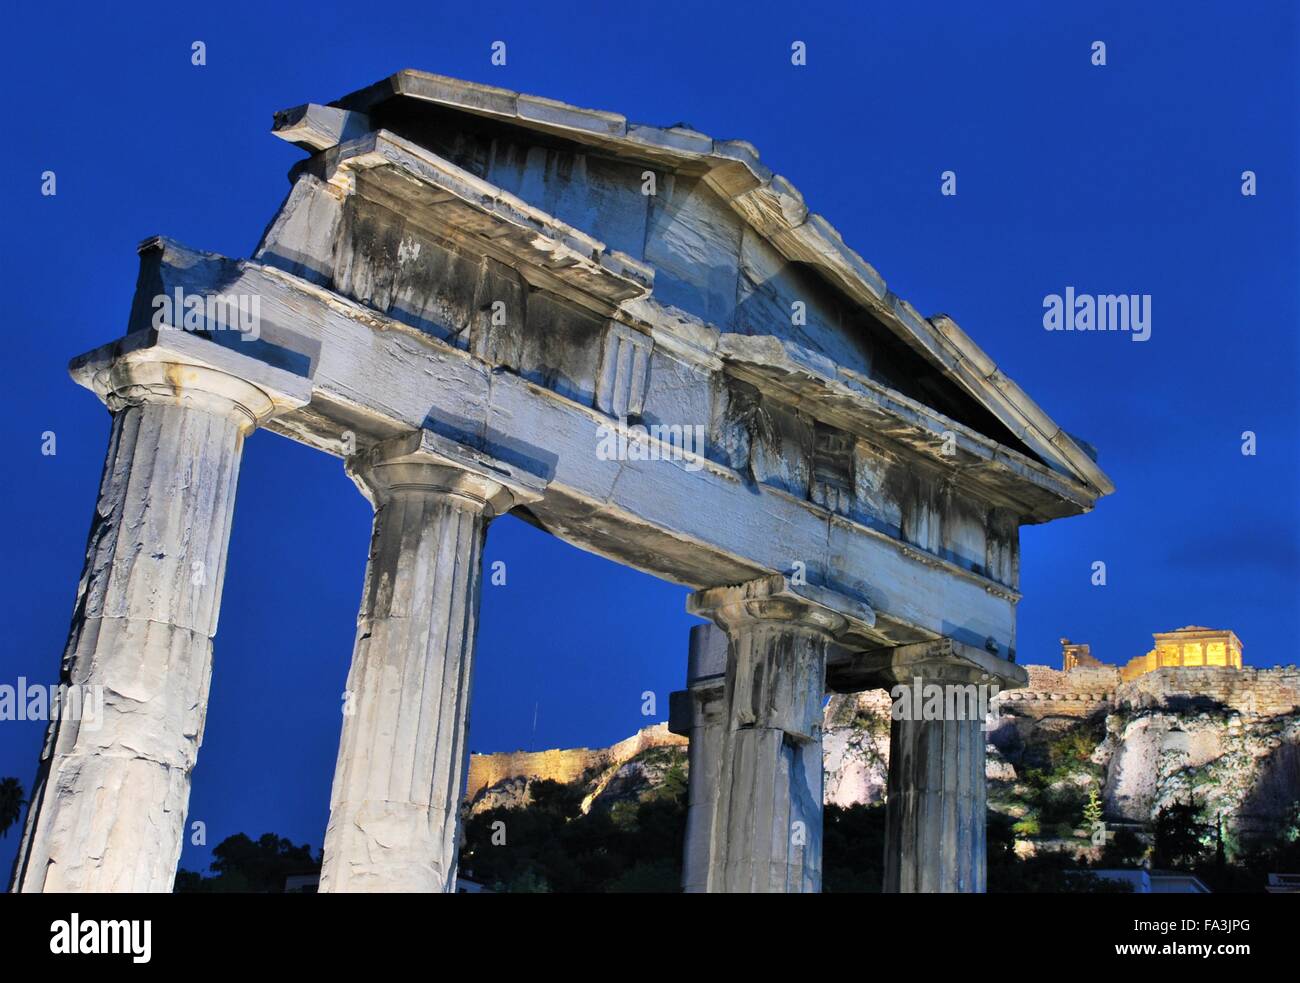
1193, 645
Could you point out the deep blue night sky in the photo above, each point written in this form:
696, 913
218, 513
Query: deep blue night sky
1123, 178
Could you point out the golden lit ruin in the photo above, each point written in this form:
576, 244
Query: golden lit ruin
1193, 645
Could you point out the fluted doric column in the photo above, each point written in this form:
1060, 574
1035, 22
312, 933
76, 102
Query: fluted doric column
935, 812
401, 763
936, 804
108, 805
766, 831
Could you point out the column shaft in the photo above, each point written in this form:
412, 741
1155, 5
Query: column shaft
767, 825
935, 812
398, 783
704, 755
108, 805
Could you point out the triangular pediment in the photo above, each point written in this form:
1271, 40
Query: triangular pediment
720, 237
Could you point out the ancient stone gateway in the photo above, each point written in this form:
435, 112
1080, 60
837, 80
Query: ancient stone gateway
639, 340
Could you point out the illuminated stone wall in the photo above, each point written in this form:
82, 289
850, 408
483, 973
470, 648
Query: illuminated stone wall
1265, 692
562, 765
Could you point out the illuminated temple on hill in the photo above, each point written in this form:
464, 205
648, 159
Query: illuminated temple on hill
1193, 645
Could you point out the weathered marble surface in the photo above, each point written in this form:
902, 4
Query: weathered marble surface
935, 813
402, 757
108, 807
706, 726
725, 233
766, 829
372, 376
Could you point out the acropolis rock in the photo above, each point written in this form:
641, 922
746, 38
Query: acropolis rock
502, 779
1227, 740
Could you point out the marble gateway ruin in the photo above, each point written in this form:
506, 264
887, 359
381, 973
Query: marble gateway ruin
641, 341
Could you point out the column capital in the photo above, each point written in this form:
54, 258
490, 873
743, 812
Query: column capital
184, 369
775, 599
942, 660
423, 461
129, 383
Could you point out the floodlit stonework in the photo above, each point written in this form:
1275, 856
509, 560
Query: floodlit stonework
465, 295
502, 779
1226, 741
1185, 647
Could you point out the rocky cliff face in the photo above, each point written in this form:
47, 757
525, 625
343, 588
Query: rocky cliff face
1226, 740
1229, 744
625, 770
855, 748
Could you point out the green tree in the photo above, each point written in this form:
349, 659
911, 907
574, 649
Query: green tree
11, 803
1179, 836
1124, 849
1000, 838
244, 865
673, 785
1092, 811
556, 798
1073, 750
1290, 830
529, 882
551, 845
657, 877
